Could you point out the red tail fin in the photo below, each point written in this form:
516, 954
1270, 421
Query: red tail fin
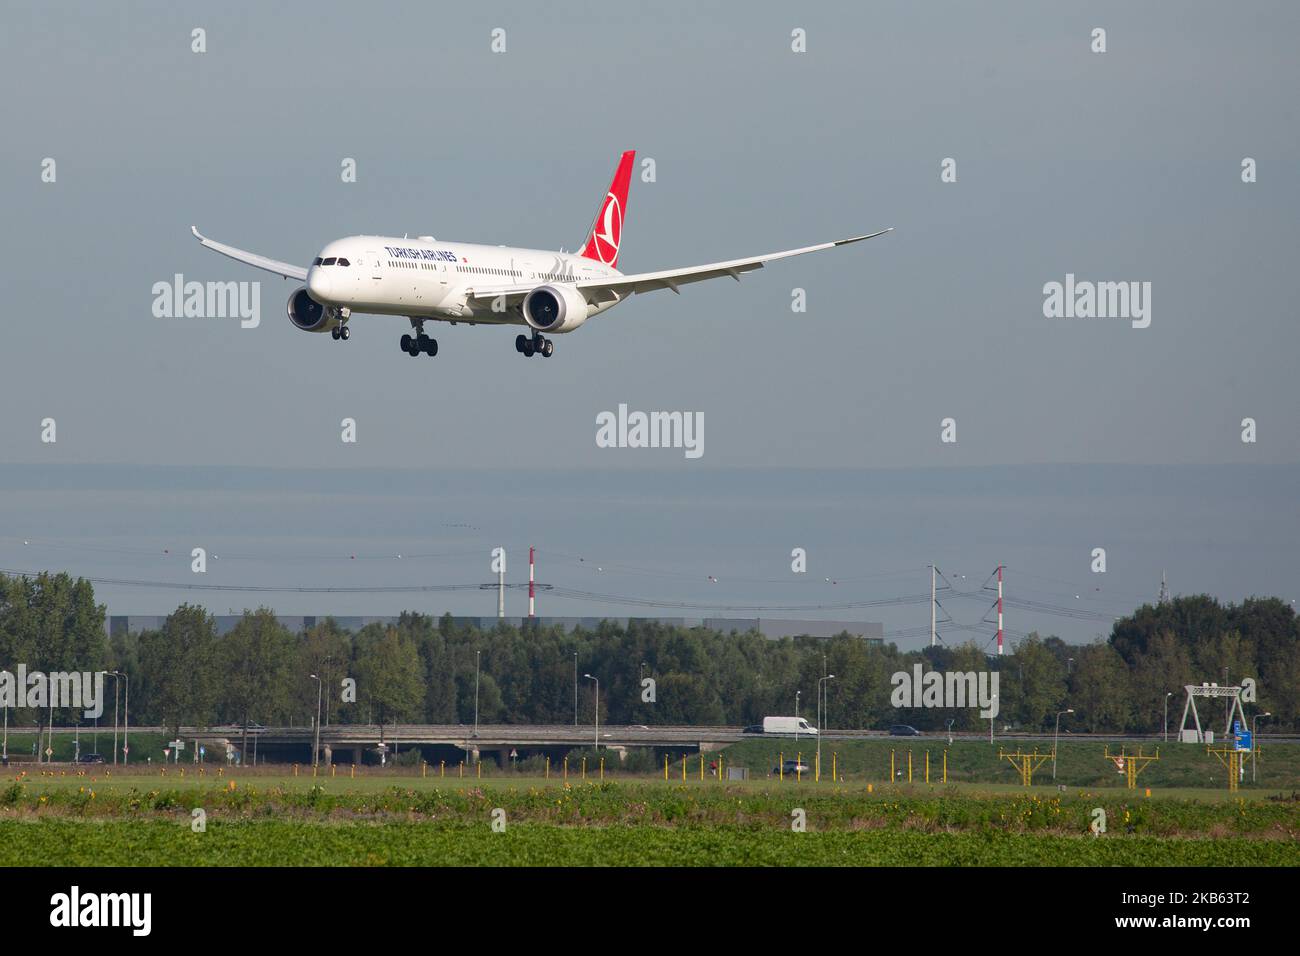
606, 233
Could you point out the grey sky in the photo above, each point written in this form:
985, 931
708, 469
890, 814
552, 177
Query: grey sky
1115, 166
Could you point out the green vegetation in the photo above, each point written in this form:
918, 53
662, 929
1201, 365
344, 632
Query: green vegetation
287, 821
293, 843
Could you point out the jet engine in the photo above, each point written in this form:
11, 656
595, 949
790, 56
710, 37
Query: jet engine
308, 314
550, 308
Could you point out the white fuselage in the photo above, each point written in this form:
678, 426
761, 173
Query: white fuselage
430, 279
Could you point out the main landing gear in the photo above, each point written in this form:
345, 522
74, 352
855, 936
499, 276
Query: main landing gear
340, 333
536, 345
414, 345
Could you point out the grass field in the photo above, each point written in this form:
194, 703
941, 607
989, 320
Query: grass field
273, 818
298, 843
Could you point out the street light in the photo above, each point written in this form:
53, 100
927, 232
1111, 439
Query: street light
1055, 736
115, 675
327, 662
992, 716
477, 655
819, 722
1167, 696
796, 714
1254, 743
589, 677
575, 688
315, 754
126, 722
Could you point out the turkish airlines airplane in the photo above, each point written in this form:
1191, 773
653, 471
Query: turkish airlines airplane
424, 279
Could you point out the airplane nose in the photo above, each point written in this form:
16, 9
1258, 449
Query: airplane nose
318, 284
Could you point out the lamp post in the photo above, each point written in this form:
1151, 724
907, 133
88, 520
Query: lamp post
796, 714
1056, 736
589, 677
126, 722
1254, 743
328, 661
1166, 732
115, 675
992, 717
477, 655
315, 753
820, 682
575, 688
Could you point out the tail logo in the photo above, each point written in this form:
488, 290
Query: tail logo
608, 233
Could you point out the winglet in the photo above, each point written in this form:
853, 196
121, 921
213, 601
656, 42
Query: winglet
845, 242
197, 234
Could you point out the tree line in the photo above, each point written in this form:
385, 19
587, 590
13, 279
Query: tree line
423, 669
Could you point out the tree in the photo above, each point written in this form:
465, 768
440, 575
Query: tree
1100, 690
1038, 688
179, 668
1163, 668
388, 674
323, 650
256, 657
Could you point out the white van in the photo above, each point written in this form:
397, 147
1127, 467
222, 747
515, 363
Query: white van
787, 725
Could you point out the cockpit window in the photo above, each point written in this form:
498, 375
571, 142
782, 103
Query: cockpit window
317, 261
330, 261
344, 262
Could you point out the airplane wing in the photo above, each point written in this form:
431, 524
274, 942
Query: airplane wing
618, 287
252, 258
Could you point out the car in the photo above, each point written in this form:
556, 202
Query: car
790, 768
91, 758
753, 729
903, 730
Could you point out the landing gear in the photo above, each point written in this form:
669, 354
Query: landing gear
414, 345
536, 345
340, 333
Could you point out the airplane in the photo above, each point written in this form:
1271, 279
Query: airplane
425, 279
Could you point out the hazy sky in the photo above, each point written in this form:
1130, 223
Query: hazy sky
1113, 167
